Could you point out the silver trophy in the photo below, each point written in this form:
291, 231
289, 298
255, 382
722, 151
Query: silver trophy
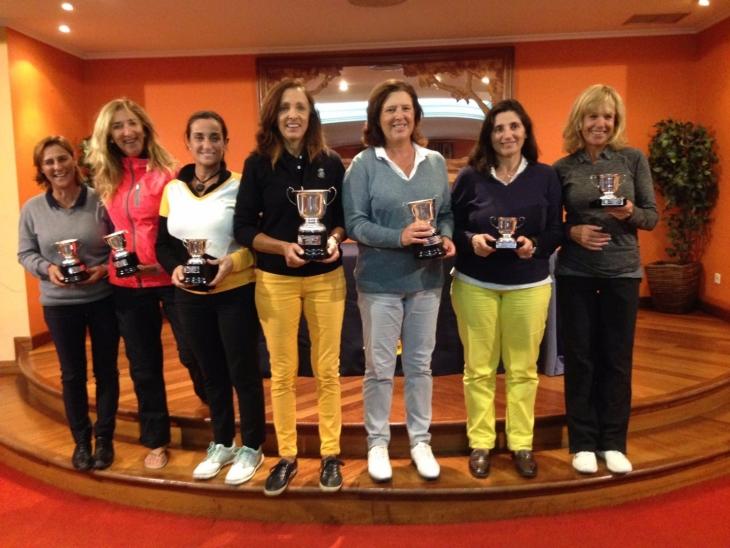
425, 210
198, 272
125, 262
312, 205
608, 184
506, 226
72, 269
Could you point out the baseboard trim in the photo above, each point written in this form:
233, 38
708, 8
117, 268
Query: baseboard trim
714, 310
711, 309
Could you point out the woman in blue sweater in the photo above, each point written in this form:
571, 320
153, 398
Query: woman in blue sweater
501, 296
398, 294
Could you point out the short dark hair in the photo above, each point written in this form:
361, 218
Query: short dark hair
482, 156
372, 133
41, 147
269, 140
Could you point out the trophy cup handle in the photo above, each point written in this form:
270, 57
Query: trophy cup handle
333, 190
520, 222
289, 192
493, 222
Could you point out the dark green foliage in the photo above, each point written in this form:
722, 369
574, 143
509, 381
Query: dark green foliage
682, 159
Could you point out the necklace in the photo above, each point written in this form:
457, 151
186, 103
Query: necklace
508, 175
199, 187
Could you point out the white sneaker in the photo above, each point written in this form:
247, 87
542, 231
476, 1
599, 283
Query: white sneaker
379, 464
585, 462
218, 456
616, 462
245, 465
425, 462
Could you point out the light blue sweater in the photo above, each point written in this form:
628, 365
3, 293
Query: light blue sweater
374, 200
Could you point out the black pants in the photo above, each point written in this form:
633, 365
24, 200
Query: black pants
223, 331
68, 325
140, 323
597, 321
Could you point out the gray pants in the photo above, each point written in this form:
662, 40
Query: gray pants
386, 317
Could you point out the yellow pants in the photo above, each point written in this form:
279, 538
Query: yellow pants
493, 325
280, 300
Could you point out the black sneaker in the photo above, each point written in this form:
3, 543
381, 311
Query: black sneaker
279, 477
103, 454
330, 476
81, 458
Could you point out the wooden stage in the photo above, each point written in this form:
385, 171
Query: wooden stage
679, 435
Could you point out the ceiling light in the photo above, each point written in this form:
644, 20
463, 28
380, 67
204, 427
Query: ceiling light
64, 29
375, 3
703, 3
67, 6
344, 86
485, 80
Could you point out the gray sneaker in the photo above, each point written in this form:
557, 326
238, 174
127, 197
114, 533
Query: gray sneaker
244, 467
218, 456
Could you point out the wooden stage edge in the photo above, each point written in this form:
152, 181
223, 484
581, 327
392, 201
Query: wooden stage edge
680, 435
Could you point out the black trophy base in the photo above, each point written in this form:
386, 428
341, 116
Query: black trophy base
429, 251
313, 244
126, 266
74, 274
314, 253
198, 277
618, 201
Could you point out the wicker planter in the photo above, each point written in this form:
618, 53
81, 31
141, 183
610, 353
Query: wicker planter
674, 287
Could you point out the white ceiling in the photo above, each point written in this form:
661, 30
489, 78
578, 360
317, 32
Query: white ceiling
145, 28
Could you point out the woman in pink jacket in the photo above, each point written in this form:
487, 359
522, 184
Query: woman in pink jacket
130, 171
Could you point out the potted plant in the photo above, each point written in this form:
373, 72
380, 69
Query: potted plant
682, 159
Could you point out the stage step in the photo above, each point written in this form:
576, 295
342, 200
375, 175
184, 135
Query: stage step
676, 377
665, 458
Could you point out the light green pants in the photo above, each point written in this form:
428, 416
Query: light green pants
493, 325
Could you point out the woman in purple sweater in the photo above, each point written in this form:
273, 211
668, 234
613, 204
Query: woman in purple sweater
501, 294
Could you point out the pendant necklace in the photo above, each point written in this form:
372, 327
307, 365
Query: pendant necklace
199, 187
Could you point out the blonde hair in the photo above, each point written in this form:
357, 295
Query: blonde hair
593, 99
106, 158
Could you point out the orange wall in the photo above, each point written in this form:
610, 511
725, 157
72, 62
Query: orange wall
655, 76
47, 93
171, 89
658, 77
713, 86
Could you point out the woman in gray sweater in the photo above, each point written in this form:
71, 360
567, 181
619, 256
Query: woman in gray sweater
599, 272
398, 294
68, 209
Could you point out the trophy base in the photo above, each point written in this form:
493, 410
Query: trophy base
314, 253
432, 251
126, 266
74, 274
508, 245
617, 201
313, 244
198, 277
